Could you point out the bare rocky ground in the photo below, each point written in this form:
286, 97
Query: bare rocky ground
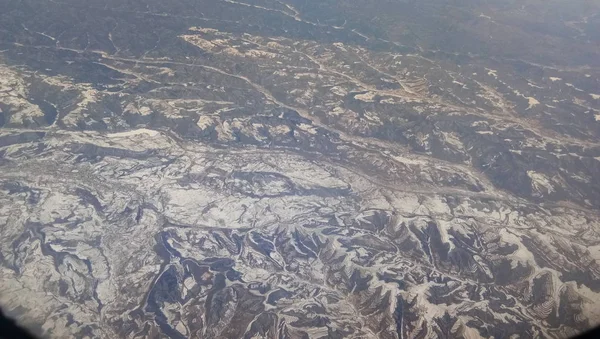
292, 169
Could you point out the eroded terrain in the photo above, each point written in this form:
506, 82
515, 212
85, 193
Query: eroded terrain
290, 169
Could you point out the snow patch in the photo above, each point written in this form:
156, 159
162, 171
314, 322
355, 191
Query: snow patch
149, 132
540, 183
366, 97
532, 102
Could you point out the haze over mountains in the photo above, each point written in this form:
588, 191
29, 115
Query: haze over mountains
300, 169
